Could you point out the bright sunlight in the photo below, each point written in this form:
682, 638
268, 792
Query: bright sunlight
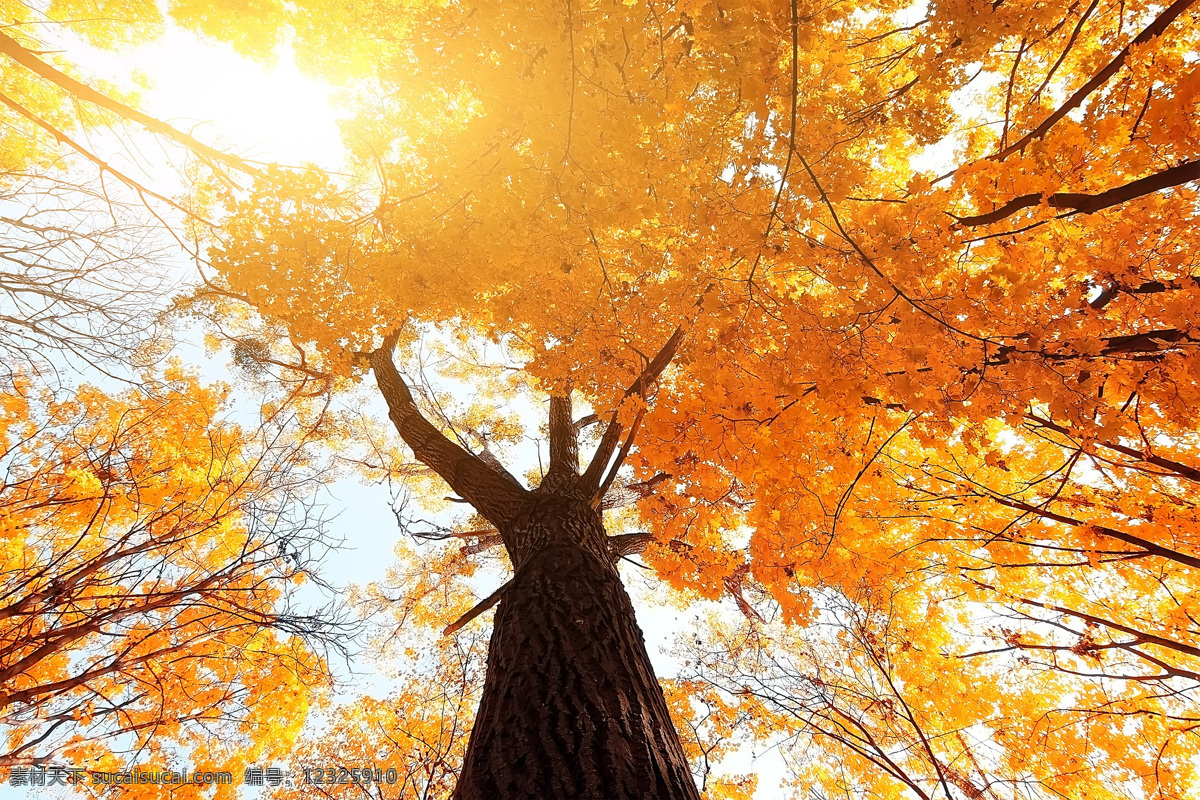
264, 113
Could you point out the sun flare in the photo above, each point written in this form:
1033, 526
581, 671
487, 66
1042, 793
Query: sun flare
266, 113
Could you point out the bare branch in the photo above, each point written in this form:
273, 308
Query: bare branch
12, 49
480, 607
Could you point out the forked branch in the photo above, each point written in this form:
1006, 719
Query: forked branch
1152, 31
612, 432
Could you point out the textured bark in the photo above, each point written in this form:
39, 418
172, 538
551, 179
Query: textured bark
571, 707
1151, 32
564, 437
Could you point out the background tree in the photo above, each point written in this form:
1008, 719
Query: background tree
151, 551
152, 548
89, 237
418, 729
853, 706
78, 280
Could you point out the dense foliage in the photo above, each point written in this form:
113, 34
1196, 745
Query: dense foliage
928, 276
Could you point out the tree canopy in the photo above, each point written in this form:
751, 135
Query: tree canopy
887, 314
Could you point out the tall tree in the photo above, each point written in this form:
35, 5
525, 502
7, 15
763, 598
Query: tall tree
865, 349
973, 393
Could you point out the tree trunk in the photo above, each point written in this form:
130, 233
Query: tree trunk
571, 707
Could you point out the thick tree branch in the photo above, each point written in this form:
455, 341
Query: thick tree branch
1147, 342
627, 544
486, 542
1150, 287
627, 495
494, 494
598, 497
115, 665
1151, 343
480, 607
583, 422
1152, 31
612, 433
1091, 203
